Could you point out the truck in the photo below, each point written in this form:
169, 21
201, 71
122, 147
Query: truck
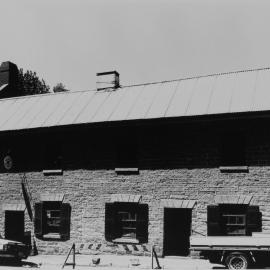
13, 249
235, 252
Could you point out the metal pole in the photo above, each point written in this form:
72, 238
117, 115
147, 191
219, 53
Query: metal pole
73, 255
152, 257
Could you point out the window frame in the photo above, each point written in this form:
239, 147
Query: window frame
128, 225
126, 151
115, 230
45, 231
50, 228
233, 152
53, 157
218, 226
234, 228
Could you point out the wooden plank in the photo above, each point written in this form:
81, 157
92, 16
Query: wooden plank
191, 204
125, 198
184, 203
247, 199
227, 241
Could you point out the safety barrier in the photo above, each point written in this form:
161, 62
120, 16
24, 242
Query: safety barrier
86, 248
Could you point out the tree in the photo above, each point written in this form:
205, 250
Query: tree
30, 84
59, 88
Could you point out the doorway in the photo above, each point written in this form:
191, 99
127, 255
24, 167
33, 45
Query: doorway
14, 225
177, 230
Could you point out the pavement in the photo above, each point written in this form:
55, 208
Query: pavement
110, 262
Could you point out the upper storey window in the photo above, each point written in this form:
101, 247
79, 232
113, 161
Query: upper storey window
233, 150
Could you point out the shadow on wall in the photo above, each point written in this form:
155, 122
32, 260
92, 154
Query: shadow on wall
172, 146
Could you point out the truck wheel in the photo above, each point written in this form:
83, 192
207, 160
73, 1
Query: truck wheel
237, 261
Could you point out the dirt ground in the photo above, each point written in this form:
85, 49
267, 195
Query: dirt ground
110, 262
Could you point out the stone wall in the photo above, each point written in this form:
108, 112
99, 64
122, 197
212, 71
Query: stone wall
88, 191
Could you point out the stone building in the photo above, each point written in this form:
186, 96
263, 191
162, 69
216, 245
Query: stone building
119, 169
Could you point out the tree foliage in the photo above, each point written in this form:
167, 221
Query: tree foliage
31, 84
59, 88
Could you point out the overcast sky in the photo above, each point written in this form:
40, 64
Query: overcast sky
69, 41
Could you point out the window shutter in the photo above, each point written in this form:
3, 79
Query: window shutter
65, 221
213, 220
110, 221
142, 223
254, 220
38, 221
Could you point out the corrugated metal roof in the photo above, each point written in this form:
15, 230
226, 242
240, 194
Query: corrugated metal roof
244, 91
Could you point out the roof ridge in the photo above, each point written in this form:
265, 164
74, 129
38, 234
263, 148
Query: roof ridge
139, 84
200, 76
48, 94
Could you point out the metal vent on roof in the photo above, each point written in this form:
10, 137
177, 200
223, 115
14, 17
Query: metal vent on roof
108, 80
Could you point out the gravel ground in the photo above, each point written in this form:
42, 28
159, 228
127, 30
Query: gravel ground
111, 262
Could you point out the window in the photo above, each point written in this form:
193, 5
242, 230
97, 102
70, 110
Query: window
53, 156
235, 224
233, 150
126, 222
233, 219
127, 148
127, 154
52, 220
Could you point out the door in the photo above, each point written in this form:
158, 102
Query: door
177, 230
14, 225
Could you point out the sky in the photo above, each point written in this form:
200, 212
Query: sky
69, 41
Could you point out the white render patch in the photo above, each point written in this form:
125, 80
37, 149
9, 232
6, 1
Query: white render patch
233, 199
14, 207
56, 197
126, 198
172, 203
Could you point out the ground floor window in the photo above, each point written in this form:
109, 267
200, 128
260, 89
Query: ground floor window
233, 219
52, 220
126, 222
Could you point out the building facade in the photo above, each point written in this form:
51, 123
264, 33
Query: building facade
121, 169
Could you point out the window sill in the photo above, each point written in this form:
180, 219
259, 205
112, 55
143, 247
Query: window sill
50, 236
234, 169
52, 172
126, 171
126, 241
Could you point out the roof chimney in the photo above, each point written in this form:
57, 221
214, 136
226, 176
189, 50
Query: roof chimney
108, 80
9, 76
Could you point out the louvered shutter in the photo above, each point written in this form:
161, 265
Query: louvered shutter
65, 214
39, 220
142, 223
110, 221
254, 220
213, 220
